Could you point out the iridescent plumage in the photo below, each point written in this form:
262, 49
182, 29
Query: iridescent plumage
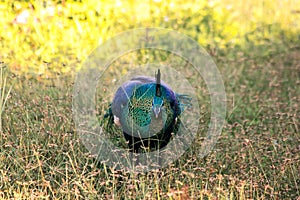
147, 111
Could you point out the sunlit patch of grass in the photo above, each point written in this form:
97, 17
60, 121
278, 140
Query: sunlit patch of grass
55, 37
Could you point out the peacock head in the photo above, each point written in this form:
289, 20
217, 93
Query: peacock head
157, 104
157, 100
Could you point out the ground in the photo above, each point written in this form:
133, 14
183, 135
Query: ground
257, 155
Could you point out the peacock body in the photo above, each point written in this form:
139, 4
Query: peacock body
148, 112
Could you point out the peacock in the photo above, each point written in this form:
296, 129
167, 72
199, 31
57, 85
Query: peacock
148, 111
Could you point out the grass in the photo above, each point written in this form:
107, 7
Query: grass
4, 92
256, 157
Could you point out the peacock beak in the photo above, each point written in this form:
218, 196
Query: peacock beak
156, 111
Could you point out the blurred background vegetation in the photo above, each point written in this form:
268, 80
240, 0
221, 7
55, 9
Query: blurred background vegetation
48, 37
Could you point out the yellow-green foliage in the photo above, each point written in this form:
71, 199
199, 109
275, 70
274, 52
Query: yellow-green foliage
43, 37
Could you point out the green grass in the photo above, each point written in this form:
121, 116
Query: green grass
257, 155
